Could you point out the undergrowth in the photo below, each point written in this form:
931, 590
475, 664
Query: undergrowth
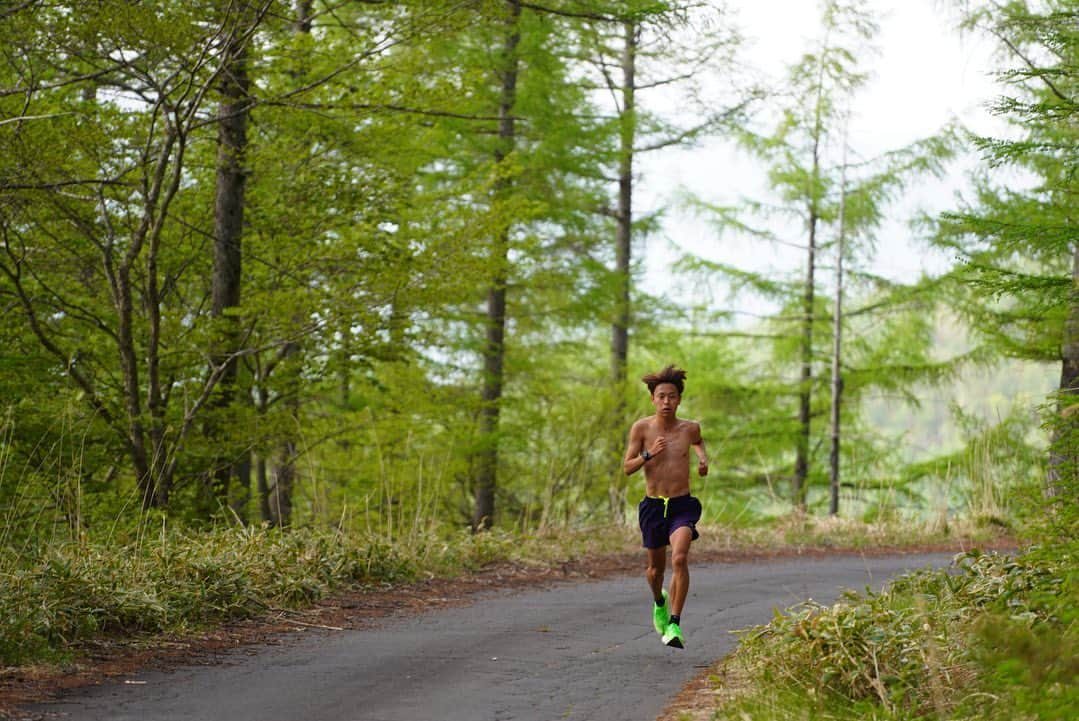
54, 597
995, 638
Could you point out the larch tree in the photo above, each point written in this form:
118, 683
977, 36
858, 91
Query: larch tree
507, 69
523, 152
796, 152
1016, 237
805, 175
645, 57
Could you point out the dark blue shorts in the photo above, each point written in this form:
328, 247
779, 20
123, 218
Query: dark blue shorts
660, 517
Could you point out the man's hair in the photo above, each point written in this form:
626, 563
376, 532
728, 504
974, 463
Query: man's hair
670, 374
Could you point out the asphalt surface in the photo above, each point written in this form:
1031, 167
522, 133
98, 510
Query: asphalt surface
583, 652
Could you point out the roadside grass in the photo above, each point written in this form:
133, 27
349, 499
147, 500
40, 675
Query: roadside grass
996, 638
156, 579
174, 581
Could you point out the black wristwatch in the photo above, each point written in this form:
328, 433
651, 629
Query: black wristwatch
646, 455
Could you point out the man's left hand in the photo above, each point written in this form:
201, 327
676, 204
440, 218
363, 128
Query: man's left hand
702, 468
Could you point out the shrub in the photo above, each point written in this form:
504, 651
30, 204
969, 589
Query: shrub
928, 644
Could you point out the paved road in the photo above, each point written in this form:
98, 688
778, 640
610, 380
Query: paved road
583, 652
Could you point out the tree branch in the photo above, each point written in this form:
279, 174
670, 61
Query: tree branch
68, 360
8, 12
387, 108
574, 14
1030, 64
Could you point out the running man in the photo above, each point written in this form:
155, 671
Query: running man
668, 514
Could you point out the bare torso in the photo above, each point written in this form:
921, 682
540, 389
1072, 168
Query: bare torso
667, 473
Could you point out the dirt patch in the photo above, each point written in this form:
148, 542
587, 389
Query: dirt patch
109, 658
702, 695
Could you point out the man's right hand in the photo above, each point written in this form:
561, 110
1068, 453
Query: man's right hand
658, 446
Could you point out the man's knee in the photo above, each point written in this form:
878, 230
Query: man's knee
680, 560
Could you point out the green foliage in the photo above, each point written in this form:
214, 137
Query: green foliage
998, 639
384, 199
370, 222
368, 219
998, 474
1015, 236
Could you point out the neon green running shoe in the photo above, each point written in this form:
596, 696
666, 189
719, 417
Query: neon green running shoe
673, 636
661, 615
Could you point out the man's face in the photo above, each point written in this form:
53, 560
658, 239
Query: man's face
666, 398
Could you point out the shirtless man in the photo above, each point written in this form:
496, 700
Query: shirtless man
668, 514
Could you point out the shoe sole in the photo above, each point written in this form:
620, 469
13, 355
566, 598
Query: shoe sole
674, 643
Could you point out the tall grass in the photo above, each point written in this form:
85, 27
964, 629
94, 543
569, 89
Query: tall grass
173, 581
915, 650
76, 565
176, 580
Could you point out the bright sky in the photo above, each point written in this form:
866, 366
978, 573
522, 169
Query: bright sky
925, 75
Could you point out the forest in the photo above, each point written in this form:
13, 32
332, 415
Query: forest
288, 263
377, 268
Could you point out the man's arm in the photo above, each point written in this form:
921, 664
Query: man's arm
702, 454
634, 461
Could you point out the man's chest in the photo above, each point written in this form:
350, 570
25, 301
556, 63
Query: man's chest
677, 439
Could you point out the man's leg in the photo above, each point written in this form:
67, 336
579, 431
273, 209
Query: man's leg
680, 540
657, 566
661, 612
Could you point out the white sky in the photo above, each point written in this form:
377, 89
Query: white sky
925, 75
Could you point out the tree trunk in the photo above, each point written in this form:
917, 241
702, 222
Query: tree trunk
242, 499
805, 386
624, 248
1063, 455
494, 348
151, 468
284, 477
228, 231
302, 9
129, 366
278, 510
623, 265
837, 337
263, 483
